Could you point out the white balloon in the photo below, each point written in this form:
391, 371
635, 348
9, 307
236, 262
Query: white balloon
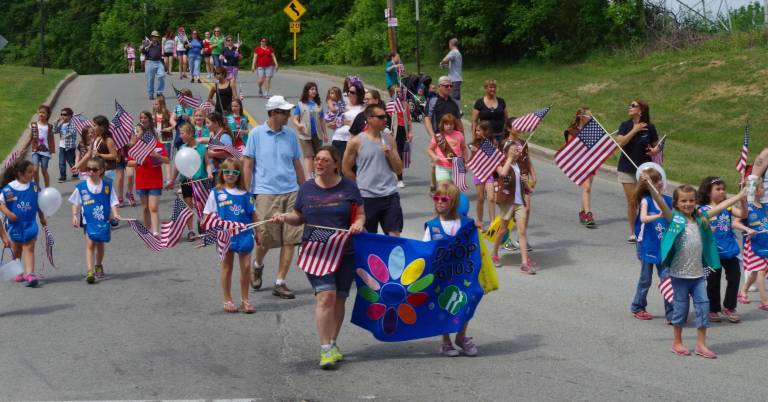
187, 161
49, 201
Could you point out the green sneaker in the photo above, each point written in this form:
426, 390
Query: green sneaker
327, 360
90, 278
336, 353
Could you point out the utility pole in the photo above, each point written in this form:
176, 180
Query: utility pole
418, 55
42, 37
765, 12
392, 26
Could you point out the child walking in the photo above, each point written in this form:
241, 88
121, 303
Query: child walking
18, 202
528, 173
149, 175
231, 201
204, 171
711, 193
483, 189
509, 189
649, 229
756, 244
446, 224
92, 201
688, 249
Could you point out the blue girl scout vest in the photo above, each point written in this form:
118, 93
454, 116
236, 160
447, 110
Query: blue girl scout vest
651, 233
24, 205
96, 210
757, 220
237, 208
436, 231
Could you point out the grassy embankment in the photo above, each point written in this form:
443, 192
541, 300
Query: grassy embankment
701, 98
24, 88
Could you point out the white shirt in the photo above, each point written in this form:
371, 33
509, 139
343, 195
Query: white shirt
449, 227
95, 189
42, 135
210, 204
342, 133
64, 127
16, 186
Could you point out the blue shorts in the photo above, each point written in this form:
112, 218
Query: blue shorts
339, 281
149, 191
40, 160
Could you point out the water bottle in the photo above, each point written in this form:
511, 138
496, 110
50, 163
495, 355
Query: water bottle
752, 182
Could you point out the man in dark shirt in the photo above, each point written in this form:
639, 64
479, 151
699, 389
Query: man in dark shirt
439, 106
154, 65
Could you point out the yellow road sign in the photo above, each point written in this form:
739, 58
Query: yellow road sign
294, 10
294, 27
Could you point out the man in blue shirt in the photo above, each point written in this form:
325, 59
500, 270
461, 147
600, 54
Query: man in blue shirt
272, 166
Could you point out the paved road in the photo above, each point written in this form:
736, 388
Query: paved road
155, 329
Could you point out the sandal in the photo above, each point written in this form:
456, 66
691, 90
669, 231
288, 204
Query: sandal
763, 306
707, 354
230, 307
681, 352
246, 307
742, 298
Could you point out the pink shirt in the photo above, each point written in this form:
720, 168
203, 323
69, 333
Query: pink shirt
455, 140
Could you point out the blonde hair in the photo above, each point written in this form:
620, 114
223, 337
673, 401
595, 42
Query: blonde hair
447, 188
230, 164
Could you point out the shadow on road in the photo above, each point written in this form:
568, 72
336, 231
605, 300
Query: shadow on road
38, 310
724, 348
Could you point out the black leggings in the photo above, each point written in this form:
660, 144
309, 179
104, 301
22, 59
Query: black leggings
400, 138
732, 277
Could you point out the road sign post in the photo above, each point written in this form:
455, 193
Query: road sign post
294, 10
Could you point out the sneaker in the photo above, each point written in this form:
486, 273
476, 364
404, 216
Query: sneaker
114, 222
62, 179
121, 203
715, 317
496, 261
632, 239
582, 218
99, 271
283, 292
256, 276
74, 177
528, 268
731, 316
589, 220
192, 80
20, 278
447, 349
326, 360
131, 200
90, 278
509, 245
336, 353
642, 315
400, 184
516, 245
261, 93
467, 346
31, 280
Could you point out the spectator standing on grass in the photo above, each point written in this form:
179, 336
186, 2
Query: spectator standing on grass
130, 55
265, 65
67, 143
453, 61
153, 51
272, 171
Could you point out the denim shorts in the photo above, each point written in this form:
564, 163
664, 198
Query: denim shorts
148, 191
339, 281
262, 72
41, 160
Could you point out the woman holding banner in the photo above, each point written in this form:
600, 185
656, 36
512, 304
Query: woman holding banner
326, 202
636, 137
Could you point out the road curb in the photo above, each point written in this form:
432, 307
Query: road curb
22, 143
539, 152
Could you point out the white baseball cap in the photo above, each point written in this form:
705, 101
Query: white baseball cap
278, 102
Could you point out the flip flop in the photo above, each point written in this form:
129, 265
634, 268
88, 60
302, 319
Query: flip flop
230, 307
706, 355
742, 298
679, 352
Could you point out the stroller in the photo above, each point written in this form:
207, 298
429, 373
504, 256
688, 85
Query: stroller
417, 103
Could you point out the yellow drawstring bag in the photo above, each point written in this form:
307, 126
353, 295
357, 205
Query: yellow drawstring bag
487, 275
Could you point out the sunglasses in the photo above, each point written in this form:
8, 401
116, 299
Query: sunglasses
352, 92
441, 198
231, 172
380, 116
447, 85
92, 169
65, 114
631, 105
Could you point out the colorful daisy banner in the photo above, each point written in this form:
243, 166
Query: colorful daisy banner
409, 289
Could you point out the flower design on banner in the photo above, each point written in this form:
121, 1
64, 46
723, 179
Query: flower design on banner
393, 289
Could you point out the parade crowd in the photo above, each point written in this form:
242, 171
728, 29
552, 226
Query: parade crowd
338, 161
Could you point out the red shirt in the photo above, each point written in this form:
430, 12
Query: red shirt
150, 174
264, 58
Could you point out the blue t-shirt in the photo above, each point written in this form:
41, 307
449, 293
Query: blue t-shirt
330, 207
273, 154
195, 48
390, 75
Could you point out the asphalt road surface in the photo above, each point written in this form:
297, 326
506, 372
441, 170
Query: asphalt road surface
155, 329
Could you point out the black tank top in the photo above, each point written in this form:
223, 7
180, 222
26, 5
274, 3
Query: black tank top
224, 99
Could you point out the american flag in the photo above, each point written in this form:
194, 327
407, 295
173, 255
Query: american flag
529, 122
212, 221
150, 240
207, 106
186, 100
222, 238
321, 252
407, 155
49, 242
121, 126
485, 160
659, 157
216, 145
170, 232
79, 122
751, 262
460, 174
741, 165
665, 287
584, 154
200, 191
11, 159
394, 106
143, 147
